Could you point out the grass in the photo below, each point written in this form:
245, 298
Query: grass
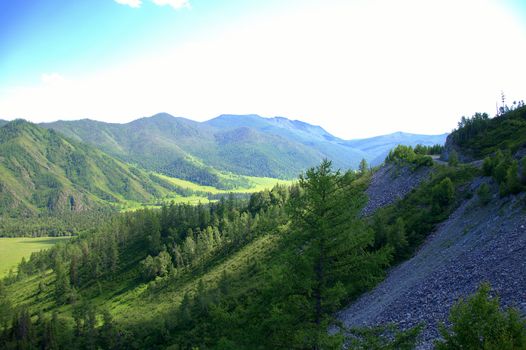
12, 250
132, 206
138, 303
129, 300
257, 184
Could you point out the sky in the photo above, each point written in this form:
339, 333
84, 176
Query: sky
358, 68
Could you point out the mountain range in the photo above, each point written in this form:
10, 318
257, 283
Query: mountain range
245, 274
242, 144
83, 164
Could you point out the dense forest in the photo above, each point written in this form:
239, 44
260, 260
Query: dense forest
264, 272
320, 256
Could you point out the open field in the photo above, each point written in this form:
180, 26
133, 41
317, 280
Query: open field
12, 250
257, 184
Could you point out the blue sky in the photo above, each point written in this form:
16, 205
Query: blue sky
77, 36
356, 67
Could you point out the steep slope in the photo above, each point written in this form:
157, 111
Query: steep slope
41, 171
482, 240
378, 147
475, 244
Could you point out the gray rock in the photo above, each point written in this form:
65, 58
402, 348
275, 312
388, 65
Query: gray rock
390, 183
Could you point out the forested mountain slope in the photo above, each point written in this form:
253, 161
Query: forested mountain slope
243, 144
194, 151
312, 136
43, 172
207, 276
481, 136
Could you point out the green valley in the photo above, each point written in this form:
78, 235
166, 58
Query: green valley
44, 173
245, 266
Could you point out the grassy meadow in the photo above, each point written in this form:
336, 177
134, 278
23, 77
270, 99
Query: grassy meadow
257, 184
12, 250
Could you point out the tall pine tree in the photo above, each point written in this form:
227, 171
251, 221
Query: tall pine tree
331, 257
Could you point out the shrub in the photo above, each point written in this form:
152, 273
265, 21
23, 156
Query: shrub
484, 194
477, 323
487, 166
406, 154
453, 159
523, 170
443, 192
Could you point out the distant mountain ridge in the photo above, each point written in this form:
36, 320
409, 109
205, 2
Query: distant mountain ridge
243, 144
377, 147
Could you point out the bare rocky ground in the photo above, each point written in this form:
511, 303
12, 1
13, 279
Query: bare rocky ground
390, 183
475, 244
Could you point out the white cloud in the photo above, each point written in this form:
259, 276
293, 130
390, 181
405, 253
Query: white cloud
52, 79
176, 4
357, 68
131, 3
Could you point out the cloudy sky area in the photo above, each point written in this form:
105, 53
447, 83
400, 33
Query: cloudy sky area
358, 68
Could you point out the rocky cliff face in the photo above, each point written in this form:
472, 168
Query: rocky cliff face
475, 244
450, 147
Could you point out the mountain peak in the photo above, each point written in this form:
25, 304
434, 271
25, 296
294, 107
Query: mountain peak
162, 116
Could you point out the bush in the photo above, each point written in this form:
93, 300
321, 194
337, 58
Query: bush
477, 323
484, 194
453, 159
405, 154
443, 192
505, 170
388, 337
513, 183
523, 170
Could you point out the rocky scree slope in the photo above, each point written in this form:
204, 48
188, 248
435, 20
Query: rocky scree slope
390, 183
475, 244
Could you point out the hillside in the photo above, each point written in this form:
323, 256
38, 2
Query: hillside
242, 144
482, 240
296, 131
273, 270
193, 151
477, 243
481, 136
378, 147
43, 172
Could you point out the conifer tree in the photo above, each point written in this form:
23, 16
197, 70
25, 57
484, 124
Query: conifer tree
331, 256
62, 283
